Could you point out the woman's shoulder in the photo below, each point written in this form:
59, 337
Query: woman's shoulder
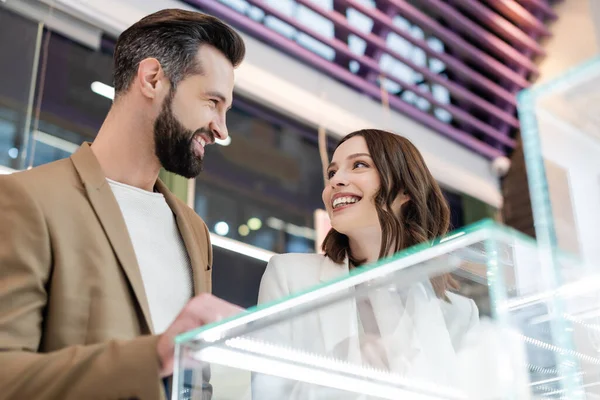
296, 260
291, 272
303, 269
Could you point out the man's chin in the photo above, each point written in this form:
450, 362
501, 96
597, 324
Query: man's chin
189, 172
185, 164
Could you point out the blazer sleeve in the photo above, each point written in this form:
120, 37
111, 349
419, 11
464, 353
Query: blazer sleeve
115, 369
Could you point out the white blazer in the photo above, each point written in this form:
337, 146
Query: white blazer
422, 325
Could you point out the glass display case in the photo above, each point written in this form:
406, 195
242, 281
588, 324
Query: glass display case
387, 331
561, 141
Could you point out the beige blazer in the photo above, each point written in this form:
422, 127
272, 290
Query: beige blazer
74, 317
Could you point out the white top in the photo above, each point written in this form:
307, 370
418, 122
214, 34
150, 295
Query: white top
161, 254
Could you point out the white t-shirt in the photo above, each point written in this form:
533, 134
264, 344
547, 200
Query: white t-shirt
161, 254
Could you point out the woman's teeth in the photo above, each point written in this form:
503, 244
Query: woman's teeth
343, 201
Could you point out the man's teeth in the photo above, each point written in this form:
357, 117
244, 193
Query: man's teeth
342, 201
201, 141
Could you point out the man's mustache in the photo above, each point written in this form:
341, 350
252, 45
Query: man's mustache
207, 132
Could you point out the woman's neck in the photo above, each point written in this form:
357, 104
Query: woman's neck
365, 245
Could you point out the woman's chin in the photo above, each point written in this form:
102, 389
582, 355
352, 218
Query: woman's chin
342, 227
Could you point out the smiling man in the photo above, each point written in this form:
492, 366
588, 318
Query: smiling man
100, 265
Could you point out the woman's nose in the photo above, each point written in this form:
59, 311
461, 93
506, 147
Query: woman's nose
338, 180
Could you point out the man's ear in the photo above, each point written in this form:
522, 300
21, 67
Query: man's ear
150, 77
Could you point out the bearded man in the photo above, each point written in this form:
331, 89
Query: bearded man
100, 265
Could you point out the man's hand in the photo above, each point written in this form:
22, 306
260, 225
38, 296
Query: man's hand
201, 310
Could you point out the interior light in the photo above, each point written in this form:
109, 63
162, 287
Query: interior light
243, 230
221, 228
241, 248
247, 354
254, 223
103, 90
225, 142
275, 223
56, 142
300, 231
13, 152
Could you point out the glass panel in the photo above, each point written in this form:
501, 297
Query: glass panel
19, 59
381, 332
561, 141
561, 137
72, 101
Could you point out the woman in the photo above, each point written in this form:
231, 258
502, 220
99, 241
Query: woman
381, 198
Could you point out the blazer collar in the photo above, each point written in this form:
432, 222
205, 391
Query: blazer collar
191, 241
339, 323
109, 214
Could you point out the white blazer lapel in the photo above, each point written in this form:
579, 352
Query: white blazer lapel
338, 321
395, 320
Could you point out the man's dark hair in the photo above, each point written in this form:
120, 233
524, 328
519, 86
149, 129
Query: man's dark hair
173, 37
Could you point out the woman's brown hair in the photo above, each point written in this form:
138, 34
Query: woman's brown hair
424, 217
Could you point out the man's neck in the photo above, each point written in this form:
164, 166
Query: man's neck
125, 150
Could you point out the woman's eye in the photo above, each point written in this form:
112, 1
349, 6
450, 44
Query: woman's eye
360, 164
330, 174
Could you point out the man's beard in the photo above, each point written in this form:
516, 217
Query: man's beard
174, 145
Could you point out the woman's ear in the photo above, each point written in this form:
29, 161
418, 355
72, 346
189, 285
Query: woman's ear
403, 198
400, 200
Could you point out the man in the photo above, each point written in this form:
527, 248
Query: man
100, 265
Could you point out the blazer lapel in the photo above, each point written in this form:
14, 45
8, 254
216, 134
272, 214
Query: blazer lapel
192, 243
109, 214
339, 321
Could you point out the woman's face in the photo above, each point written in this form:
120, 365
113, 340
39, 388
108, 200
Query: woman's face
353, 182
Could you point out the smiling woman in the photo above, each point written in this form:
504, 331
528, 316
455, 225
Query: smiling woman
403, 203
380, 198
